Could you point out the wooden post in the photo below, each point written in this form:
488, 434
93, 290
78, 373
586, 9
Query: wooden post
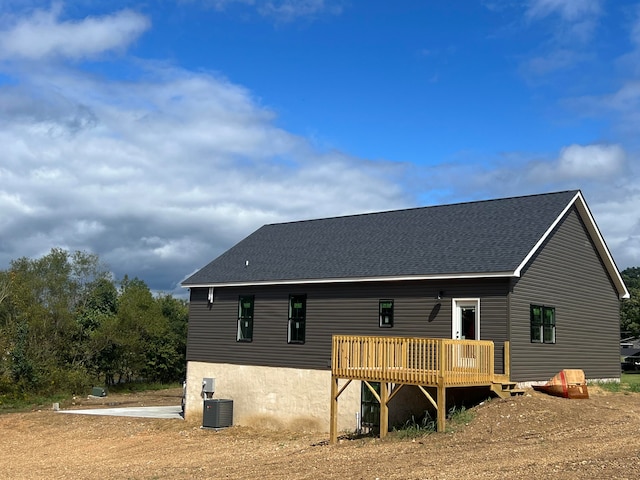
384, 409
507, 359
442, 391
442, 407
333, 425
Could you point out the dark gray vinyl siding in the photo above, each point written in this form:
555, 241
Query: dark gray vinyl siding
567, 274
339, 308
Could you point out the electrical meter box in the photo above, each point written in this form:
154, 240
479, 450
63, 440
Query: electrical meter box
208, 385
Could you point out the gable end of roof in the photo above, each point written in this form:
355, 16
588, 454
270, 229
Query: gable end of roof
596, 236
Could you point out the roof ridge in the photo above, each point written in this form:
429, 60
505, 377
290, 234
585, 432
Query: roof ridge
408, 209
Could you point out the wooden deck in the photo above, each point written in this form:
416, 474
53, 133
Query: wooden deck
425, 362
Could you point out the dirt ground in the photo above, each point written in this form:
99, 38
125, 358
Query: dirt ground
532, 435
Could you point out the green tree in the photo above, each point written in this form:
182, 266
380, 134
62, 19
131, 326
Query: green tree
146, 338
630, 307
96, 312
171, 366
65, 323
40, 317
6, 340
631, 277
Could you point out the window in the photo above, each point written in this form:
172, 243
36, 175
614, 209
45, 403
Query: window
297, 318
543, 324
245, 319
385, 310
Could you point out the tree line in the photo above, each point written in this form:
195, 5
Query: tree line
630, 309
66, 324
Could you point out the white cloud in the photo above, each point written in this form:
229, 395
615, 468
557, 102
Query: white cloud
289, 10
552, 61
621, 105
571, 26
616, 212
574, 166
570, 10
578, 165
43, 35
591, 161
281, 10
578, 18
161, 175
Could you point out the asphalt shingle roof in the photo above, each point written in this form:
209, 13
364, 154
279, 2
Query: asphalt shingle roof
491, 236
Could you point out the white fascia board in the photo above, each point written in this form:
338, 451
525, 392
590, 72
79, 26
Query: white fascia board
518, 271
356, 279
597, 238
601, 246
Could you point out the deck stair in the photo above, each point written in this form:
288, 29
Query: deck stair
505, 388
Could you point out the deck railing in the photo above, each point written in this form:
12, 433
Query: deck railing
417, 361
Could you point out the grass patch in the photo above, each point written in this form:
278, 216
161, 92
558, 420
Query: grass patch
414, 428
25, 403
629, 382
137, 387
461, 416
613, 387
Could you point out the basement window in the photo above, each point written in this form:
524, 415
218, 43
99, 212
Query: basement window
385, 310
245, 319
543, 324
297, 318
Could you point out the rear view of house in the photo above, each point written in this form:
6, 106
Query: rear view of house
530, 277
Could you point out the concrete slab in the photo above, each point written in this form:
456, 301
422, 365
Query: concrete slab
140, 412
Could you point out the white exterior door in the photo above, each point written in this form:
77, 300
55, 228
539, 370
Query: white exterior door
465, 325
465, 322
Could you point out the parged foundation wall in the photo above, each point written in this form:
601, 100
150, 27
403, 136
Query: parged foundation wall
280, 398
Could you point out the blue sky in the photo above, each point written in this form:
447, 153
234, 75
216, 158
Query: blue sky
157, 134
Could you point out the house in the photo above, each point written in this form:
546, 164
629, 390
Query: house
630, 359
530, 279
630, 354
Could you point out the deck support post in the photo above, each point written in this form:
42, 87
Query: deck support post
384, 409
442, 407
506, 360
333, 426
442, 390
